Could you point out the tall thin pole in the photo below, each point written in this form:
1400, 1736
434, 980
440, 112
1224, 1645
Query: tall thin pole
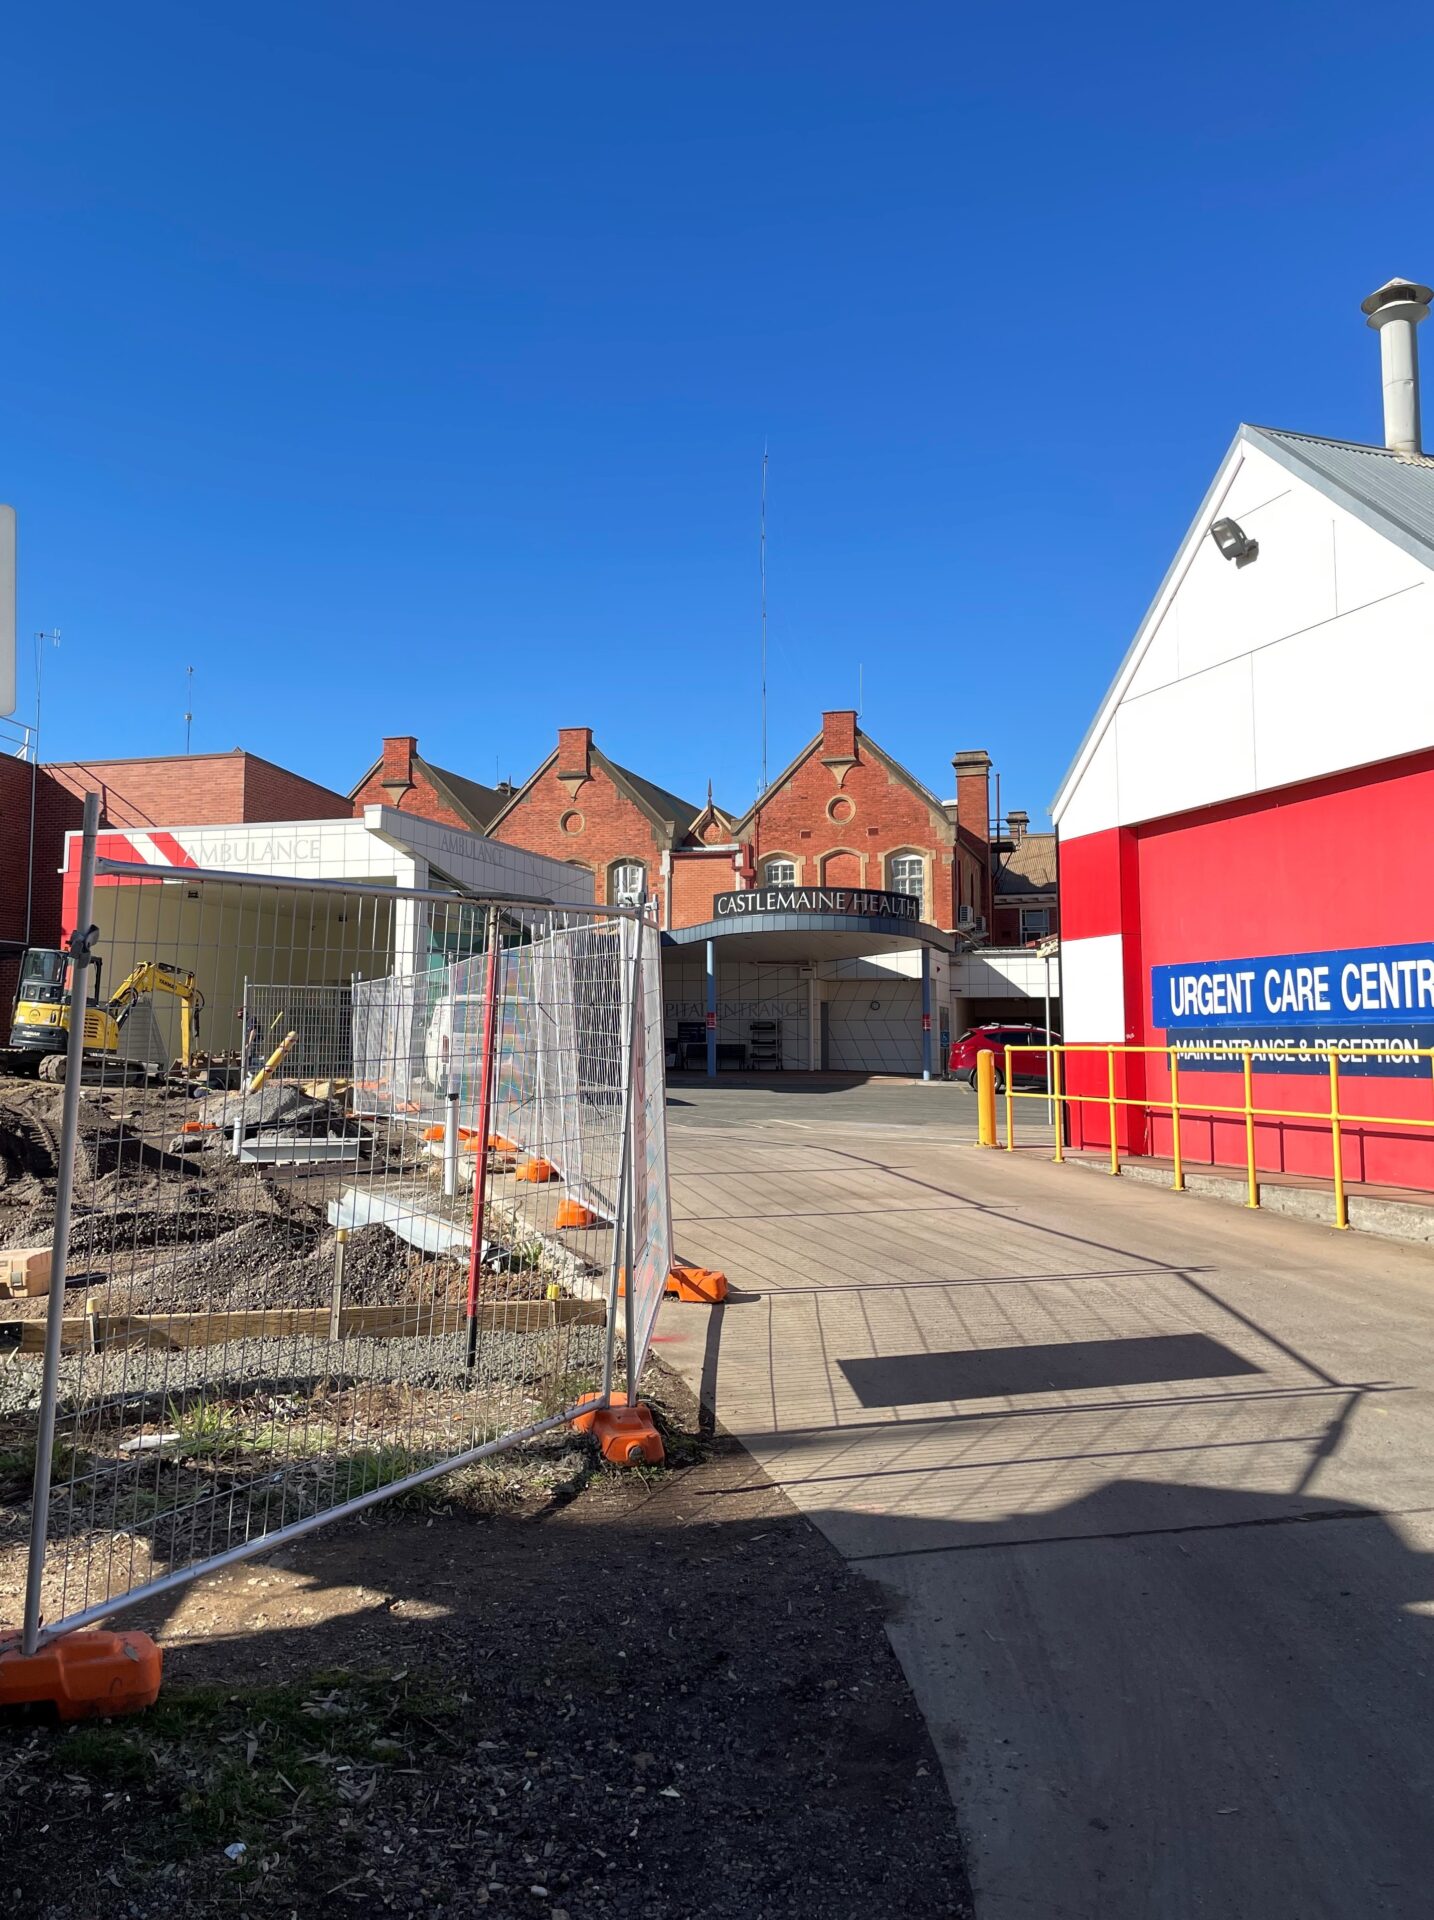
763, 564
53, 635
80, 951
188, 704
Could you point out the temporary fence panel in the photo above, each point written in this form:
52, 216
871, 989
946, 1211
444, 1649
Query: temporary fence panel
307, 1286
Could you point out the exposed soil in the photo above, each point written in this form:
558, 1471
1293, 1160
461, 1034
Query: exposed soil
661, 1696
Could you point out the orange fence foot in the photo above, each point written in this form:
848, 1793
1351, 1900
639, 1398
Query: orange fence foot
701, 1284
84, 1676
626, 1436
536, 1170
572, 1213
500, 1143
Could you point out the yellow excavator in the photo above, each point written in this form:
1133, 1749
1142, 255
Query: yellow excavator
40, 1030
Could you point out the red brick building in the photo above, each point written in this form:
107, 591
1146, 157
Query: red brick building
403, 779
57, 812
154, 791
815, 929
585, 809
1023, 878
197, 790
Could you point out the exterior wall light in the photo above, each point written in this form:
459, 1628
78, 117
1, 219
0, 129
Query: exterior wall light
1232, 540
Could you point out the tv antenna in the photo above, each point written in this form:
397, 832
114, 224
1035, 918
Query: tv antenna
762, 547
188, 704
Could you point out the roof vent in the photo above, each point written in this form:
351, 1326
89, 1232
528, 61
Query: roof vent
1394, 311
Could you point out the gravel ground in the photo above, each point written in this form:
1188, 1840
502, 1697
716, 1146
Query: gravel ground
663, 1699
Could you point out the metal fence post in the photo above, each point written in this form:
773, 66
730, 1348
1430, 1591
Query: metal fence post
1110, 1108
485, 1115
634, 1172
1252, 1185
1054, 1079
81, 947
620, 1272
1341, 1208
1178, 1183
1010, 1107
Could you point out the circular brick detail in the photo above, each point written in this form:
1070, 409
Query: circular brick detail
572, 821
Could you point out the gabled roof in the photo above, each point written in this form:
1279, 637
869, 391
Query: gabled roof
1030, 867
1392, 493
656, 800
814, 745
662, 808
470, 799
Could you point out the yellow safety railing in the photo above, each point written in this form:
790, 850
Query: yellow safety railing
1059, 1099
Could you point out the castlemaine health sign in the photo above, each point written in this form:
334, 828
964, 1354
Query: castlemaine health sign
1373, 1005
870, 904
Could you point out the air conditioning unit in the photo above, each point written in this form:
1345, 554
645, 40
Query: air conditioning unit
965, 916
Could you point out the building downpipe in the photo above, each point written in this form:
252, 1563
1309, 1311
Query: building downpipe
1394, 311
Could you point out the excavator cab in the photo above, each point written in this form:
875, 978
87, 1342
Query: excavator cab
41, 1025
42, 1001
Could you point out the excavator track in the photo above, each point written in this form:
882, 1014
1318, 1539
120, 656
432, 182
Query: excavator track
28, 1144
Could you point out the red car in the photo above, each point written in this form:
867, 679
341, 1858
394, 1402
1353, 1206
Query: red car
1027, 1069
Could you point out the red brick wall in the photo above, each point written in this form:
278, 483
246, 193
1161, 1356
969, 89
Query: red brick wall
57, 811
421, 798
696, 877
201, 789
603, 824
876, 815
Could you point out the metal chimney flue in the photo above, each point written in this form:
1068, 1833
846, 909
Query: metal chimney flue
1394, 312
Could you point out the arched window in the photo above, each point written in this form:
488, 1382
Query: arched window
780, 872
908, 874
627, 884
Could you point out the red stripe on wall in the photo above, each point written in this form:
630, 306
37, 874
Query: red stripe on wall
1091, 884
172, 850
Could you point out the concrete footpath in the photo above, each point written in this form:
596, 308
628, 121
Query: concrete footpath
1149, 1485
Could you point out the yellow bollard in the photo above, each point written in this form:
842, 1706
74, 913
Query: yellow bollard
1252, 1185
1341, 1206
986, 1098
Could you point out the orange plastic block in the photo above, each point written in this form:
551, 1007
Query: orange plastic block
199, 1126
703, 1285
433, 1133
536, 1170
500, 1143
84, 1676
572, 1213
626, 1436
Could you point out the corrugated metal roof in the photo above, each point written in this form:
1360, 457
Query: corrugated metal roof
1391, 492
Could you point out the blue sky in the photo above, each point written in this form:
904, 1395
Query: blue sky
408, 369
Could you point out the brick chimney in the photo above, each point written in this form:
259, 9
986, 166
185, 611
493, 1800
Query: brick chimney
973, 791
1019, 823
839, 734
575, 753
397, 776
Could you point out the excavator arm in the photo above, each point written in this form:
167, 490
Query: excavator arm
159, 976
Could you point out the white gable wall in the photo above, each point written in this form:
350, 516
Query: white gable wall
1315, 657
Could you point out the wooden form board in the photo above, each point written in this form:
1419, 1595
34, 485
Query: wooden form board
412, 1322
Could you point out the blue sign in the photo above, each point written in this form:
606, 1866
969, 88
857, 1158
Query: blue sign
1373, 1006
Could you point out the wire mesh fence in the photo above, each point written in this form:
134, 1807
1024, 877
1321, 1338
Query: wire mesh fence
334, 1257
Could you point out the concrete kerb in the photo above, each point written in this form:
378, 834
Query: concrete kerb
1376, 1214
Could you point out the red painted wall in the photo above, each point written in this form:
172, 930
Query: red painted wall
1344, 862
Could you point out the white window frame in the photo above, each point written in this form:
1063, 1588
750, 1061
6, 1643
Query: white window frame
620, 889
895, 885
772, 878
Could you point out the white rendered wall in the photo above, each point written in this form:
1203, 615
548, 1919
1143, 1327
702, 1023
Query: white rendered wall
1315, 657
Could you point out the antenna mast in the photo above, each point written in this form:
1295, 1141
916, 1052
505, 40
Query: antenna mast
188, 704
763, 556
